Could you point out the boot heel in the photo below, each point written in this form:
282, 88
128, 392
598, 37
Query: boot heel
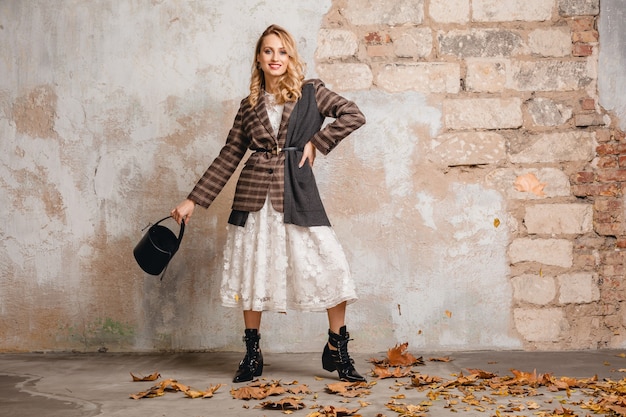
327, 360
259, 369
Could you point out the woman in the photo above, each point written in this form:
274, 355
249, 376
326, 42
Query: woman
281, 252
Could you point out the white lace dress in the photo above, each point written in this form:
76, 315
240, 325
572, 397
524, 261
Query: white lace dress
273, 266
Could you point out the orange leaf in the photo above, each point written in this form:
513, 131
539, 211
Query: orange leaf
152, 377
383, 372
398, 357
284, 404
530, 184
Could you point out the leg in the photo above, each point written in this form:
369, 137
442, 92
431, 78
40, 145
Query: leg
252, 364
335, 356
252, 319
337, 317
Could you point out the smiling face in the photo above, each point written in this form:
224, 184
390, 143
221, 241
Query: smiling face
273, 60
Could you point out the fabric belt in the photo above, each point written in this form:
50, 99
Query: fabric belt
277, 150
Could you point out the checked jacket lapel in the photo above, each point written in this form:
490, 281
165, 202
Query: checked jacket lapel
261, 112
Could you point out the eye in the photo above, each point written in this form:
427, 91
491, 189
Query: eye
283, 52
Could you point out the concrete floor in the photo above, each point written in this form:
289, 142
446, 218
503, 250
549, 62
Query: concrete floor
68, 385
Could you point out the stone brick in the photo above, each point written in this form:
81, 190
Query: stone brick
584, 177
390, 13
554, 42
622, 161
380, 50
429, 77
336, 43
540, 324
613, 258
557, 252
480, 43
579, 7
582, 49
586, 36
486, 75
346, 77
449, 11
588, 104
577, 288
579, 24
511, 10
534, 289
608, 149
547, 112
413, 42
547, 219
555, 147
611, 175
377, 38
590, 119
482, 113
607, 204
468, 148
503, 179
549, 75
603, 135
596, 190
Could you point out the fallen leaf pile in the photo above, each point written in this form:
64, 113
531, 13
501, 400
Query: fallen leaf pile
414, 393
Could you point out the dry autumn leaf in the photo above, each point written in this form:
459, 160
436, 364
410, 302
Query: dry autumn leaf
289, 403
383, 372
397, 356
349, 389
152, 377
530, 184
257, 390
208, 393
407, 410
331, 411
174, 386
440, 359
421, 379
299, 389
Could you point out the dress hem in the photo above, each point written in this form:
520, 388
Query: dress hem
299, 307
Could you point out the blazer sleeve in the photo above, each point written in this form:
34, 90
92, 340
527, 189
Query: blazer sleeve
222, 168
347, 115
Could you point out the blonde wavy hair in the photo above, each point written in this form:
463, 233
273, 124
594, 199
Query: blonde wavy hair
290, 84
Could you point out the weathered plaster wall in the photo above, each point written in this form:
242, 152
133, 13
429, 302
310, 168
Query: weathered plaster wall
612, 56
110, 111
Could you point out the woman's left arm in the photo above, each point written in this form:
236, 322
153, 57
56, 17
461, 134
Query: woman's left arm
348, 118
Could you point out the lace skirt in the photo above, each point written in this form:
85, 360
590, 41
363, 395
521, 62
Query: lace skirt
272, 266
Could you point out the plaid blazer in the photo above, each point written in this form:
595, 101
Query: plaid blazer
265, 171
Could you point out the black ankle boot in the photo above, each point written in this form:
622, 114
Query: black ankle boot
252, 364
339, 359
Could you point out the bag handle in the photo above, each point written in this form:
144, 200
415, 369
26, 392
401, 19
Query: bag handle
182, 228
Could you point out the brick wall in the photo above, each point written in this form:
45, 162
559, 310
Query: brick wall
516, 81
